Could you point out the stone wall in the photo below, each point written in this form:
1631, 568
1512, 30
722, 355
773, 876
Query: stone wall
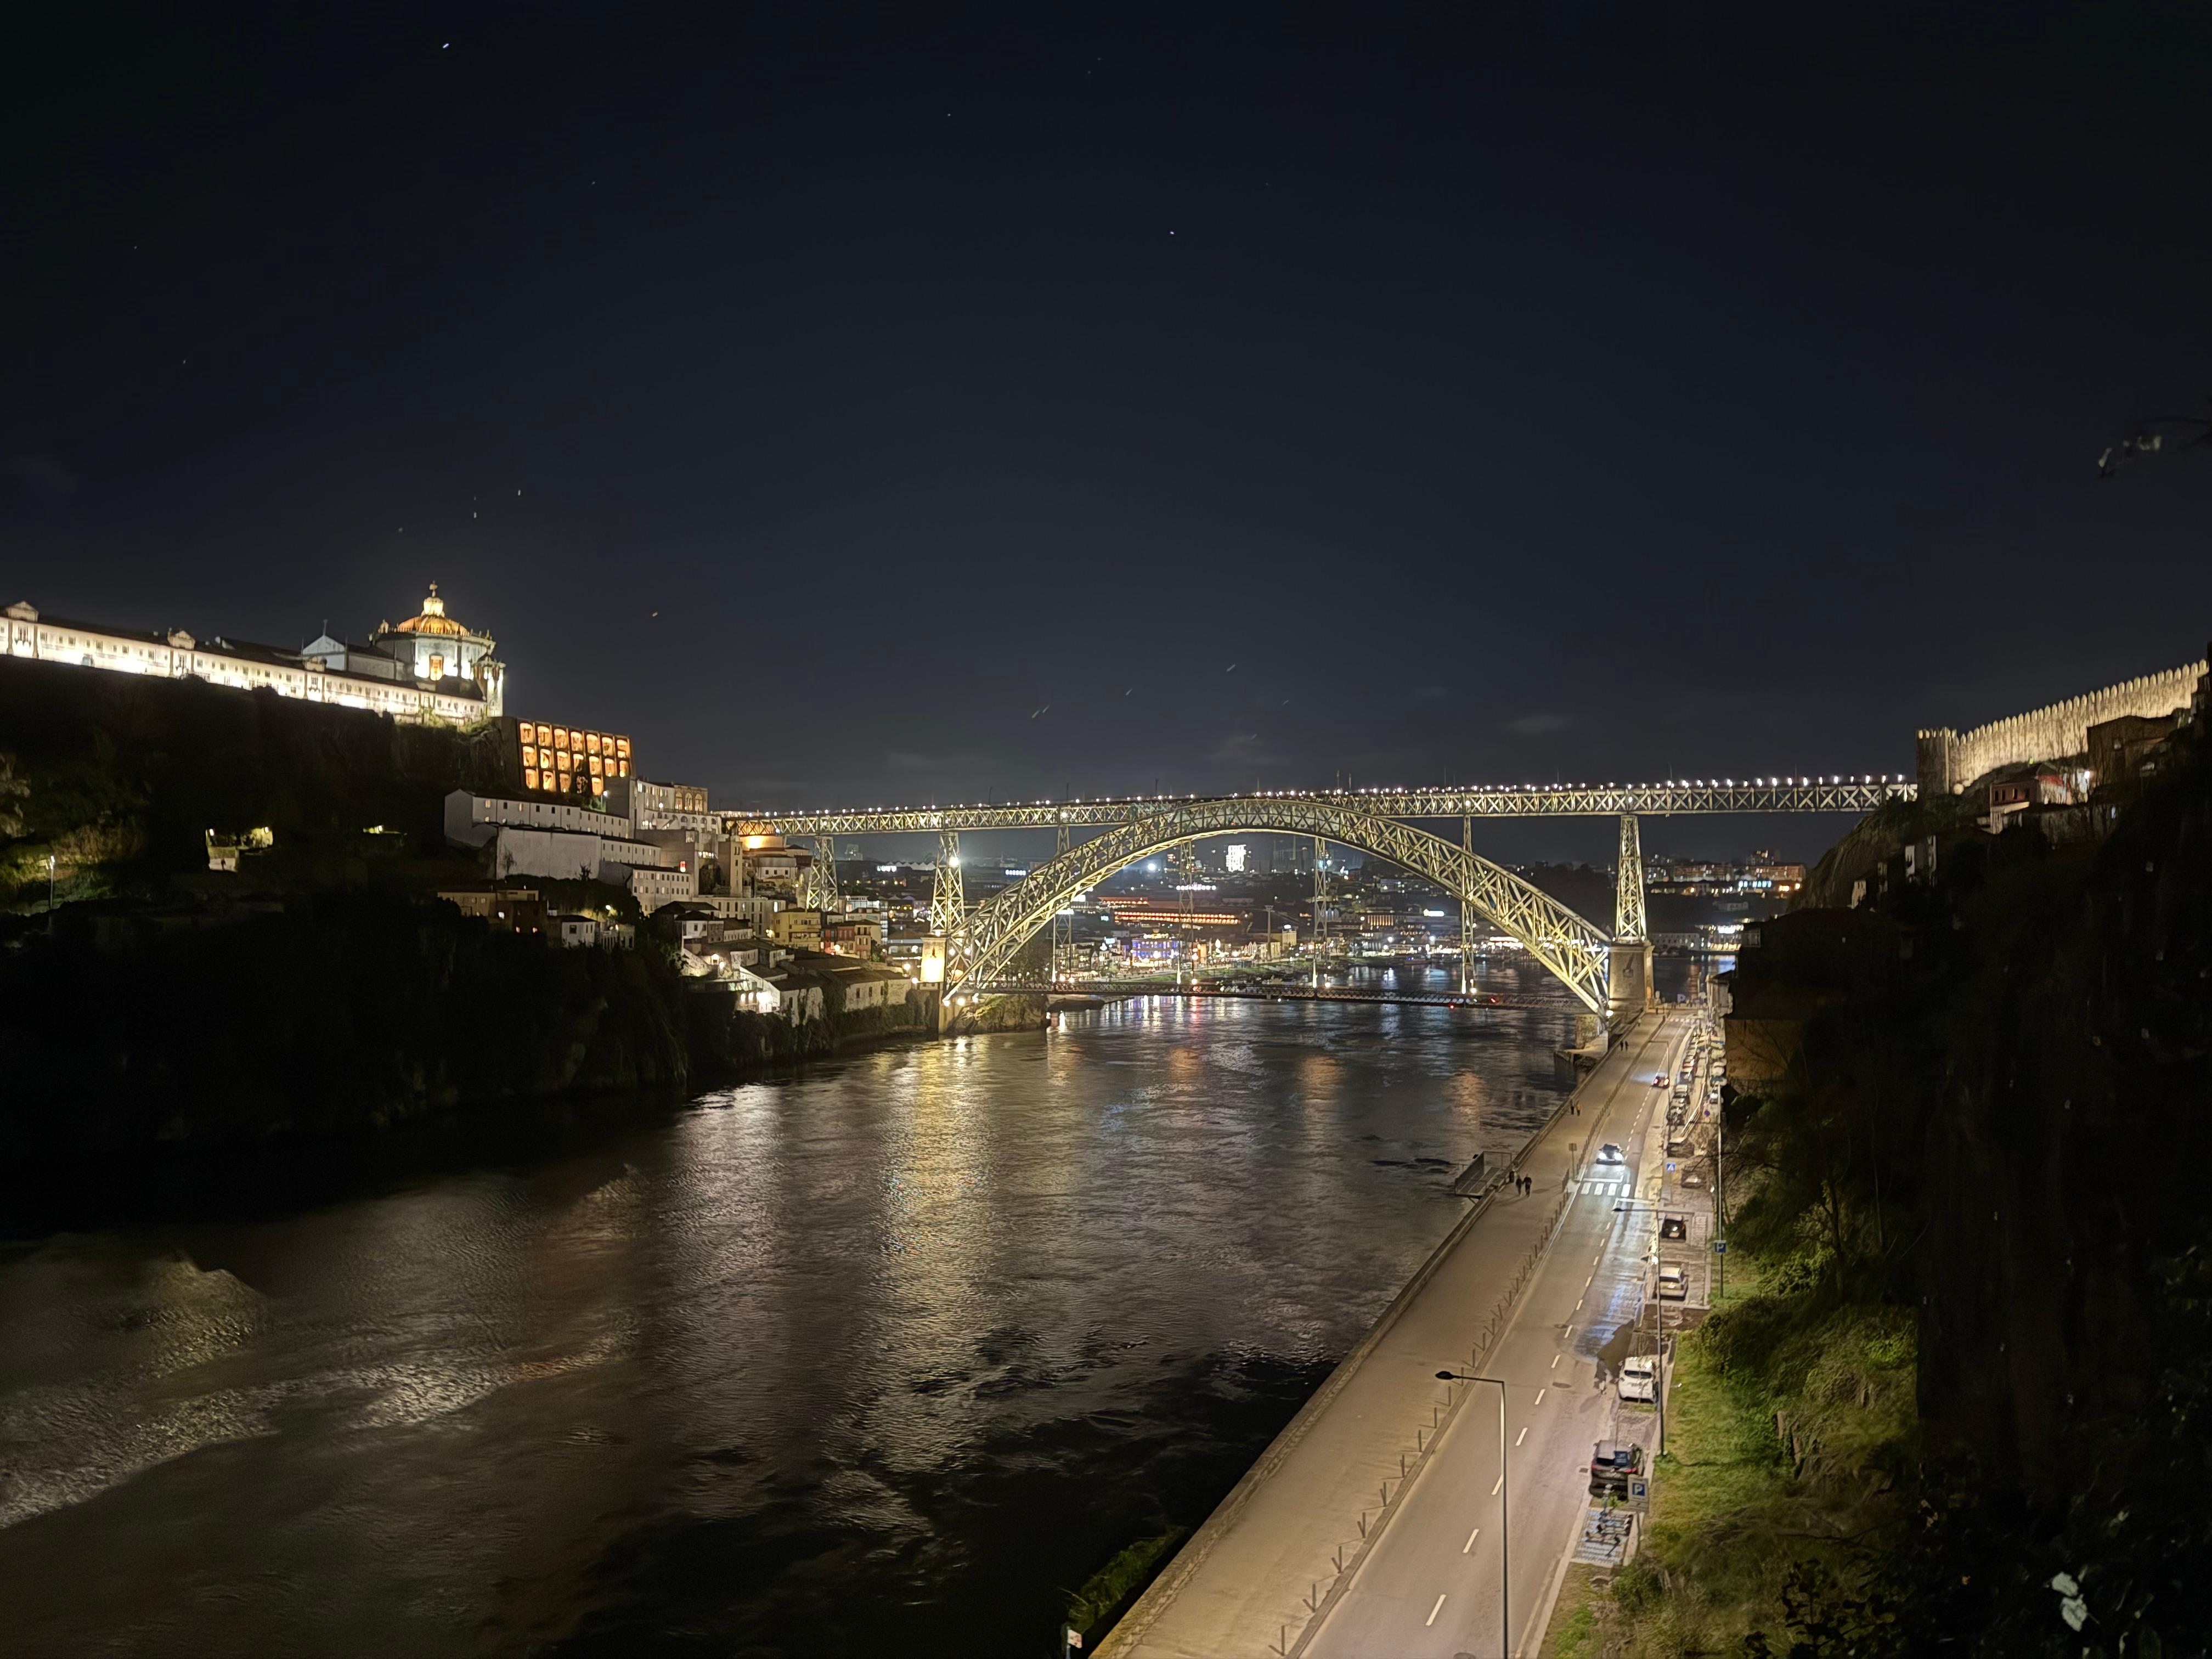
1949, 760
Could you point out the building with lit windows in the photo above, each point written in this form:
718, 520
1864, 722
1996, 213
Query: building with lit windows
571, 760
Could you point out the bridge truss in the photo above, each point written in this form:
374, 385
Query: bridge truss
1838, 794
978, 950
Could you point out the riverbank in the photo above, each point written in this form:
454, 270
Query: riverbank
313, 1017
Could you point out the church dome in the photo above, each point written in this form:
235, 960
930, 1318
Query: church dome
434, 619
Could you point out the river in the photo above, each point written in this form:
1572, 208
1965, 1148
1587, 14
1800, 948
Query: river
883, 1358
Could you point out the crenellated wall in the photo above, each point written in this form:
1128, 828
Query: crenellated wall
1949, 760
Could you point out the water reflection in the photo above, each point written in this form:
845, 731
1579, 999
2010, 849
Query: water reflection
883, 1356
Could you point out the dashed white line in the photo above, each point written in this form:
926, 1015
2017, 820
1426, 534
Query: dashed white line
1524, 1435
1495, 1490
1541, 1393
1555, 1362
1433, 1612
1471, 1537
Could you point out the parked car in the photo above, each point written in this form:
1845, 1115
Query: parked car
1640, 1377
1673, 1285
1612, 1462
1677, 1142
1610, 1153
1673, 1226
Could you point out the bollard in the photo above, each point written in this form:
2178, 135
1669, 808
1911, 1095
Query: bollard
1418, 1448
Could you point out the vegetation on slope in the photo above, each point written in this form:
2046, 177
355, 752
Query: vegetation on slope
1968, 1405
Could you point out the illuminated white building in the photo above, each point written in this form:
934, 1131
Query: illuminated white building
429, 667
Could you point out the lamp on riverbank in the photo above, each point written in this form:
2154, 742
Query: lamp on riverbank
1504, 1521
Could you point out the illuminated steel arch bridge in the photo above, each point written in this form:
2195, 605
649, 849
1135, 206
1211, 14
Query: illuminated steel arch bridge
980, 944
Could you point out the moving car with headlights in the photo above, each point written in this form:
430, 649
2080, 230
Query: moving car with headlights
1610, 1153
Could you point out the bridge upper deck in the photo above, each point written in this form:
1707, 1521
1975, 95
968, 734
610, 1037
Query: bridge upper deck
1856, 794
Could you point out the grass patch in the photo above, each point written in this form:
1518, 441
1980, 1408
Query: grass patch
1735, 1508
1573, 1632
1120, 1579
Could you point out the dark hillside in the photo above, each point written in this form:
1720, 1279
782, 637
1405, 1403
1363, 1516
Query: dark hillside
123, 776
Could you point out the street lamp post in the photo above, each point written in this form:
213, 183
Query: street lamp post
50, 892
1505, 1518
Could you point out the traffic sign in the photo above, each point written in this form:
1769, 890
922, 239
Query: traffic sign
1720, 1247
1670, 1166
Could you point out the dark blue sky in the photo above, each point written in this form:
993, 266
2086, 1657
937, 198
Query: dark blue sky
1587, 392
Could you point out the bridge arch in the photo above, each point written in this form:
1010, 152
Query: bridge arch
1576, 952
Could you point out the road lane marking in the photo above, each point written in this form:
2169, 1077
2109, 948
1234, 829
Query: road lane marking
1495, 1490
1541, 1393
1471, 1537
1434, 1611
1555, 1362
1524, 1435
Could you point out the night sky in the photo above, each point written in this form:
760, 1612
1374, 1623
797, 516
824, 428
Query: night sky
1014, 401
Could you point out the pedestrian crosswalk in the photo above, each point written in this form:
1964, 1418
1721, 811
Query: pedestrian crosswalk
1604, 1188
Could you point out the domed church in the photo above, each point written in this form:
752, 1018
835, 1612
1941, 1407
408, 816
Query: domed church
430, 648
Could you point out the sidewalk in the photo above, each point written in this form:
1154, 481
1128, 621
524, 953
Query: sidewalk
1248, 1574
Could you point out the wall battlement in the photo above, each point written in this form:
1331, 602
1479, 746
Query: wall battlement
1949, 760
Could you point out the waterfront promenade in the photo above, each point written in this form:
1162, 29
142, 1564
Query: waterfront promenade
1314, 1527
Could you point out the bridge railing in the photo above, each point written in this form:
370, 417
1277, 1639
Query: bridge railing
1856, 795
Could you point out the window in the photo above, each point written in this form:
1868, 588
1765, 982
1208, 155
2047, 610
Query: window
592, 742
530, 777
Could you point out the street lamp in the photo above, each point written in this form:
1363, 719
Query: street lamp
50, 892
1504, 1521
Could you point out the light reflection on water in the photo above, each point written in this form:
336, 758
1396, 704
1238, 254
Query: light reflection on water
887, 1354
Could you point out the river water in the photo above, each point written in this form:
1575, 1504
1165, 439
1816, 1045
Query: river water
886, 1357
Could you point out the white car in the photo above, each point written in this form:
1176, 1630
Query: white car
1640, 1377
1610, 1153
1673, 1285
